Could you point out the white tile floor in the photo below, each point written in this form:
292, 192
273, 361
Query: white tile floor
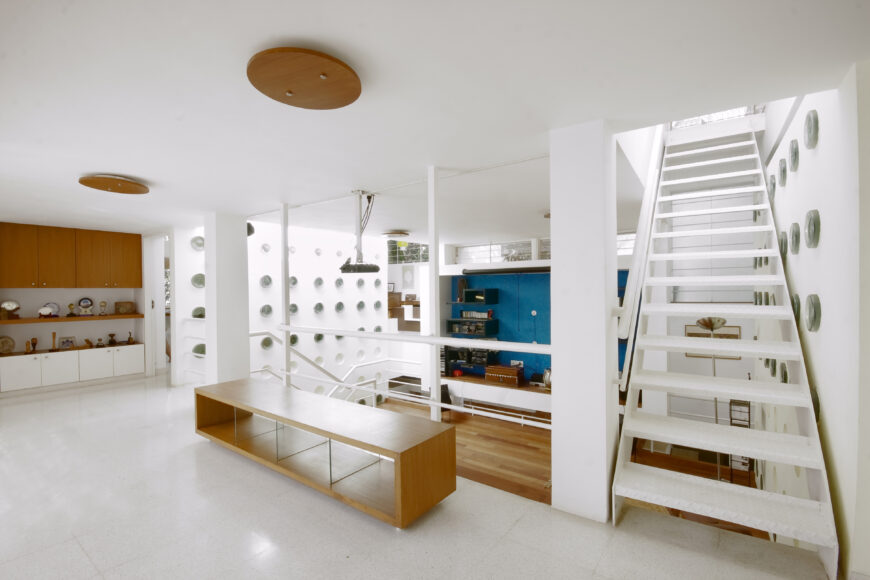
112, 482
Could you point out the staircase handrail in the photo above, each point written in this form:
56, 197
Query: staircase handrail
628, 311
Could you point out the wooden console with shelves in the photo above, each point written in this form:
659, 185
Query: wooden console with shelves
391, 466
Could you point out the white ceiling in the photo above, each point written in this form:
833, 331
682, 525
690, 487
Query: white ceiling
157, 90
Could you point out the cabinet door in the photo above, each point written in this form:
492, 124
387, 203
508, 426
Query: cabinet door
126, 260
129, 360
20, 372
96, 363
57, 257
19, 263
60, 367
93, 259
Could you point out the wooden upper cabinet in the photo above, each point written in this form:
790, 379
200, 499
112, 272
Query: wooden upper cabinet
19, 258
57, 257
126, 261
93, 259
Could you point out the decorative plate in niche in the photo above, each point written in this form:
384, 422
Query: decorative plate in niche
783, 372
318, 337
783, 172
360, 305
197, 243
813, 311
378, 328
318, 282
339, 306
339, 337
771, 187
292, 281
360, 283
318, 308
378, 304
198, 312
796, 306
294, 338
795, 237
198, 280
250, 229
293, 308
266, 343
361, 329
199, 349
265, 281
773, 367
378, 283
783, 244
266, 310
813, 228
317, 251
319, 361
266, 248
811, 129
793, 155
339, 282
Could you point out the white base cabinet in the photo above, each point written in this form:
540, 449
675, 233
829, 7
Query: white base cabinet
40, 370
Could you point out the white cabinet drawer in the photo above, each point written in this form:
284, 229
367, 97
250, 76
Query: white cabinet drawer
96, 363
60, 367
20, 372
129, 360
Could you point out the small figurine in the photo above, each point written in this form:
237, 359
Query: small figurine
72, 310
33, 342
130, 338
89, 343
53, 342
103, 305
112, 341
100, 343
26, 346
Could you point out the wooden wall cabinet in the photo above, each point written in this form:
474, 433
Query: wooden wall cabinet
108, 259
49, 257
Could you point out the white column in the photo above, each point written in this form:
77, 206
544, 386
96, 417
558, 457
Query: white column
285, 288
226, 298
433, 303
153, 304
583, 295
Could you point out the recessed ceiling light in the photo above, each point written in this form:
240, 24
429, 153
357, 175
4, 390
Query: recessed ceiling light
395, 234
319, 81
114, 184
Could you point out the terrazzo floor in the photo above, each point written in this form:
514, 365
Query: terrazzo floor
111, 481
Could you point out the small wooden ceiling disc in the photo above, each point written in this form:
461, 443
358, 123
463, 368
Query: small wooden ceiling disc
114, 184
304, 78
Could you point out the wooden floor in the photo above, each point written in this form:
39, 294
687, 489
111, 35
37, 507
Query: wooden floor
500, 454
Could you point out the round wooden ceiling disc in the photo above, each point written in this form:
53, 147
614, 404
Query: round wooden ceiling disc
114, 184
304, 78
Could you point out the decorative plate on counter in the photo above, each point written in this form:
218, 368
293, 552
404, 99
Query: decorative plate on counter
197, 243
10, 305
811, 129
55, 309
7, 345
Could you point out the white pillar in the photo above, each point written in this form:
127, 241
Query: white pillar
285, 286
228, 354
433, 302
583, 295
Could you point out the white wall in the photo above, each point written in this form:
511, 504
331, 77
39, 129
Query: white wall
637, 147
827, 180
778, 115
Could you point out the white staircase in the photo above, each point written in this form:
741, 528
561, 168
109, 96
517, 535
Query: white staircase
713, 248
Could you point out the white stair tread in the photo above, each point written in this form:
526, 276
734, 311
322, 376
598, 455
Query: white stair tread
715, 148
714, 232
803, 519
712, 177
717, 309
711, 211
721, 346
755, 443
708, 162
711, 193
724, 388
713, 255
711, 281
